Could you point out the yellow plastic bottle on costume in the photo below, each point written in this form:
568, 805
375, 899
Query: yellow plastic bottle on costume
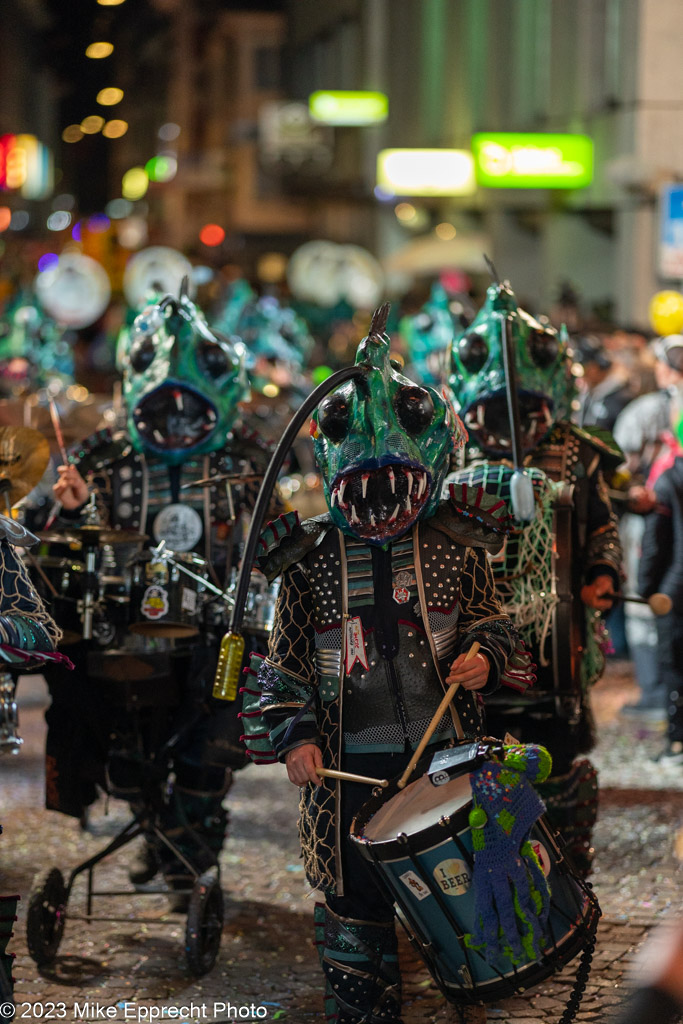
229, 666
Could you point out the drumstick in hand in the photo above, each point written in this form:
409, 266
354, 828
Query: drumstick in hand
332, 773
431, 728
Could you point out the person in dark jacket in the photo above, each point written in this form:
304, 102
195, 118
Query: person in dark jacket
661, 569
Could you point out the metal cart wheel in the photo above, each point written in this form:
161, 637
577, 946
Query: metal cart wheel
46, 916
204, 924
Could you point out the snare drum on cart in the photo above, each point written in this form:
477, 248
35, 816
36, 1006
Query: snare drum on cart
164, 600
419, 841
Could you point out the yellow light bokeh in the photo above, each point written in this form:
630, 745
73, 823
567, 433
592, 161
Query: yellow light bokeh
109, 3
110, 96
445, 231
405, 211
92, 125
72, 133
96, 51
115, 129
134, 183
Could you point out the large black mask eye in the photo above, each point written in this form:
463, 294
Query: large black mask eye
213, 360
414, 408
142, 355
473, 352
544, 348
333, 417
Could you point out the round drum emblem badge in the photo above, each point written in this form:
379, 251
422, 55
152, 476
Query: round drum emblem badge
453, 876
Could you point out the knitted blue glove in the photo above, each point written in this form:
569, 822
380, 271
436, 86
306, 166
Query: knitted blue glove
512, 897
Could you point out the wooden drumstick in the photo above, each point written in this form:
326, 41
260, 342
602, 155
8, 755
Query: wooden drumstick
438, 715
331, 773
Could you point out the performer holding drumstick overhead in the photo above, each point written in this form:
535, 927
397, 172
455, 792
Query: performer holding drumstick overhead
384, 602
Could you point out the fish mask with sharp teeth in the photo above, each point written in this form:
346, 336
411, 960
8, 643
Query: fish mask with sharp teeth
182, 382
383, 445
546, 386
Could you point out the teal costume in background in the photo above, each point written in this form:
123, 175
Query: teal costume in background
572, 539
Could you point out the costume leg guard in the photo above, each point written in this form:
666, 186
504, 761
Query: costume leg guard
196, 820
360, 962
571, 802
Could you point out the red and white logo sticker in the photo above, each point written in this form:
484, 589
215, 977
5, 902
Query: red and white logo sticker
154, 603
542, 854
415, 885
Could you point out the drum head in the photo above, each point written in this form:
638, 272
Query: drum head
417, 807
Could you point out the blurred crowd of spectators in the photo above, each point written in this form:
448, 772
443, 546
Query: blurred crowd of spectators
632, 386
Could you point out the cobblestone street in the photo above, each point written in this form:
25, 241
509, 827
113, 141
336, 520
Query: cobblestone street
266, 956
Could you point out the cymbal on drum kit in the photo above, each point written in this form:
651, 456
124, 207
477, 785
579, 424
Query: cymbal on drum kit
224, 478
91, 536
24, 455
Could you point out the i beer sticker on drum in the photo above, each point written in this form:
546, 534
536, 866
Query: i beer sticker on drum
452, 876
179, 525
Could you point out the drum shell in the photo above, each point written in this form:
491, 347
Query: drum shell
164, 600
66, 577
429, 875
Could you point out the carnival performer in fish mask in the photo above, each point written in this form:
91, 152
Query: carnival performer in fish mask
561, 562
380, 600
182, 386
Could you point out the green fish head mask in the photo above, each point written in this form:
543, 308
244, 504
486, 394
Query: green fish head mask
477, 379
428, 335
383, 445
182, 382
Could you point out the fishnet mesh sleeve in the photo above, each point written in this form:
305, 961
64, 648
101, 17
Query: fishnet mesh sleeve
287, 676
288, 687
27, 623
482, 618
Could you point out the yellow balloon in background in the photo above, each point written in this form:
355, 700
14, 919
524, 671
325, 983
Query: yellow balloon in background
666, 312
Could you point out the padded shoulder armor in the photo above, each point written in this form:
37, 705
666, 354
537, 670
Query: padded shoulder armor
473, 517
286, 540
602, 441
101, 449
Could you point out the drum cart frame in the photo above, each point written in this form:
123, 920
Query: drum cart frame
47, 902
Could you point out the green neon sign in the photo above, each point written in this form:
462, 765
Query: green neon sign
532, 160
343, 107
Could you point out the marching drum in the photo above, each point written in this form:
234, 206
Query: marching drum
419, 841
164, 600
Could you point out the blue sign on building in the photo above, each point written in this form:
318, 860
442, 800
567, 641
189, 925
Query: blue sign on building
671, 232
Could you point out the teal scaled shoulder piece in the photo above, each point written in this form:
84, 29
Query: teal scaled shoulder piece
473, 517
286, 540
101, 448
602, 441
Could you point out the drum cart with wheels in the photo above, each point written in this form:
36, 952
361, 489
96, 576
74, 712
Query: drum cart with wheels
138, 773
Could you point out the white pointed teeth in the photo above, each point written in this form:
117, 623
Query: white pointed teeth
354, 515
333, 498
372, 520
340, 494
408, 506
394, 514
422, 485
392, 481
364, 484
